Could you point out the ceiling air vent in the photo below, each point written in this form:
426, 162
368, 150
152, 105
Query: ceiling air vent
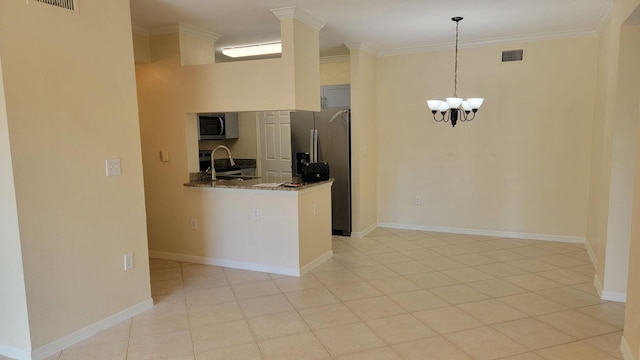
65, 4
512, 55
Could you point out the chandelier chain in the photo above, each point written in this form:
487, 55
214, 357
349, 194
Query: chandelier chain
455, 72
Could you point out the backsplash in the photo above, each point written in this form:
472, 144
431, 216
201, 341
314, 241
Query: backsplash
243, 163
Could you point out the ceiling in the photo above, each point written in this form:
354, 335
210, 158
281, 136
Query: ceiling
388, 26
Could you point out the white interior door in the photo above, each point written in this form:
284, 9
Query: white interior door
275, 146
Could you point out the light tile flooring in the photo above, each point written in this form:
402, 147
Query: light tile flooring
395, 294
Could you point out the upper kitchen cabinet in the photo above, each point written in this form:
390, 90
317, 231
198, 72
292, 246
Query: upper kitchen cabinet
335, 97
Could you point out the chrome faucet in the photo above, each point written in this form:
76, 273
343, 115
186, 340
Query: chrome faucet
213, 168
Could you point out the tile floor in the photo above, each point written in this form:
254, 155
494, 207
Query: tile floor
395, 294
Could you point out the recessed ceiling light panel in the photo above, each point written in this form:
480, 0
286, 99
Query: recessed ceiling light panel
253, 50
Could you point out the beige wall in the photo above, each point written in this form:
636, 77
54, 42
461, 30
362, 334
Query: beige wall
77, 102
632, 310
196, 50
14, 320
612, 157
602, 162
288, 238
290, 82
364, 144
314, 229
629, 99
228, 232
169, 96
247, 145
335, 70
598, 210
306, 66
623, 158
141, 48
163, 48
522, 166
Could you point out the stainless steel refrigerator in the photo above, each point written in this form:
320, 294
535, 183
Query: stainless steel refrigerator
326, 136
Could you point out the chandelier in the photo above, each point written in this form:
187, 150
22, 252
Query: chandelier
455, 108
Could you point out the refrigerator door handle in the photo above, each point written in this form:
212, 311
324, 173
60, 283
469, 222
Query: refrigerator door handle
315, 145
311, 145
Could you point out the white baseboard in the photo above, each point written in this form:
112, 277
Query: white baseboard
592, 254
363, 233
604, 295
75, 337
611, 296
496, 233
14, 353
316, 262
597, 284
234, 264
608, 295
626, 351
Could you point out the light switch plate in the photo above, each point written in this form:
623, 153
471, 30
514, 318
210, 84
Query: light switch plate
164, 156
128, 261
113, 167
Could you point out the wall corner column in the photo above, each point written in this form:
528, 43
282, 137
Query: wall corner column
363, 137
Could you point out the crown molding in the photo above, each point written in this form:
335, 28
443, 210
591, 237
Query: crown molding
184, 29
293, 12
557, 35
164, 29
363, 46
140, 30
604, 17
198, 32
334, 59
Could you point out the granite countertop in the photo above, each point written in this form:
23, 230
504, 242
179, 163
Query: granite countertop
201, 180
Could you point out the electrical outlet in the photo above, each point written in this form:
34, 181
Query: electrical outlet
128, 261
256, 214
194, 224
418, 200
113, 167
315, 209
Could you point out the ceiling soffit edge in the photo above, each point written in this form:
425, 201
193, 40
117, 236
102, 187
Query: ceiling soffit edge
558, 35
604, 17
140, 30
363, 46
198, 32
164, 29
183, 28
334, 59
293, 12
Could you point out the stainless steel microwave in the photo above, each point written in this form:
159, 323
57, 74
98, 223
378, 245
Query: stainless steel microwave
217, 126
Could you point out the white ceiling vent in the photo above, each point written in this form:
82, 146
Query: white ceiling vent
512, 55
65, 4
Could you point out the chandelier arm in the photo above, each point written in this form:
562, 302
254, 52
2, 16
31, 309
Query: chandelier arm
434, 115
466, 116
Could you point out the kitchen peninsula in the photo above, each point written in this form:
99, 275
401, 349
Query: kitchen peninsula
246, 224
247, 227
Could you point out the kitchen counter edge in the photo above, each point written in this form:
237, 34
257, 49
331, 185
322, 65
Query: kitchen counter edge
249, 185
